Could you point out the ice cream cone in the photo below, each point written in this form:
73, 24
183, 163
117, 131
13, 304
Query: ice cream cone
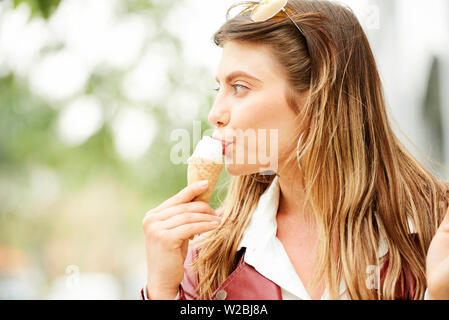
204, 169
205, 163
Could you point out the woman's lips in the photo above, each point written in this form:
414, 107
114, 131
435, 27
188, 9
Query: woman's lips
224, 143
226, 147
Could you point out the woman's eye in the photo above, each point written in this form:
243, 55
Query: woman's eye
235, 86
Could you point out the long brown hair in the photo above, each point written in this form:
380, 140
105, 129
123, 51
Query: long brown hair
359, 178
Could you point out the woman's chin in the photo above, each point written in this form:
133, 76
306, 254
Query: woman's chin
241, 169
234, 170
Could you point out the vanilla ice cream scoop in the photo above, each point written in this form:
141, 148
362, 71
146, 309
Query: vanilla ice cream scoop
208, 148
206, 163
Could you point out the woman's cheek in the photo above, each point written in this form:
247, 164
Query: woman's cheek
248, 156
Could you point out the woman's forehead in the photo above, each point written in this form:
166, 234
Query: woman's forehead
255, 60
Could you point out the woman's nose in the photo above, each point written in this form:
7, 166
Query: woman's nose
219, 116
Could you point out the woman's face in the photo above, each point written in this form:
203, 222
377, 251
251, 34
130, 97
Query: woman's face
251, 109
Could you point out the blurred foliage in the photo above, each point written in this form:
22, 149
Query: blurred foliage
40, 7
91, 212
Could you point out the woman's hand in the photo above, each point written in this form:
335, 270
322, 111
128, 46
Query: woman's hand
167, 230
438, 263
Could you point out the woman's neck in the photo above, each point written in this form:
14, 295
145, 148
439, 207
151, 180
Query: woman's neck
291, 198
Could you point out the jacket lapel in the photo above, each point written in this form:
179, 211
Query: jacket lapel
245, 283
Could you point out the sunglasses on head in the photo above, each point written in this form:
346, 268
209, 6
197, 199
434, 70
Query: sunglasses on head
267, 9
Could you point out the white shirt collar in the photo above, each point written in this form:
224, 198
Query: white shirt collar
265, 252
263, 224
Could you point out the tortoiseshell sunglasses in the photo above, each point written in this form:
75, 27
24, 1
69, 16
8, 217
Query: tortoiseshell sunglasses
267, 9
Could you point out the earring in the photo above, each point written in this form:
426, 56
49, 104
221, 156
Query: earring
297, 151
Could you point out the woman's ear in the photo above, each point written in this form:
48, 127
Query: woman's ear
301, 98
297, 99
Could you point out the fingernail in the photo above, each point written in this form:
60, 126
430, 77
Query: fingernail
204, 183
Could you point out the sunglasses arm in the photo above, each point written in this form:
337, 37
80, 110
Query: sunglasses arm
300, 30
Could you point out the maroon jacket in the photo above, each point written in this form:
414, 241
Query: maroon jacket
245, 283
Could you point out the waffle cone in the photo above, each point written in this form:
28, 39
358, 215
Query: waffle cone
204, 169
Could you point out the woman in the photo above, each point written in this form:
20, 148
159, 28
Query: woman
349, 213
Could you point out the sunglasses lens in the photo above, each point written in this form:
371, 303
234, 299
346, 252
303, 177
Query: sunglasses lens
267, 9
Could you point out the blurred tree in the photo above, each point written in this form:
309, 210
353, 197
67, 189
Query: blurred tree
83, 204
40, 7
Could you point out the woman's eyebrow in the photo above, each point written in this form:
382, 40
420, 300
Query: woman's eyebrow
237, 74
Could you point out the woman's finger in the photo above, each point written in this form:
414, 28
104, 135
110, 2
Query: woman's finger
185, 195
191, 217
197, 206
189, 230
